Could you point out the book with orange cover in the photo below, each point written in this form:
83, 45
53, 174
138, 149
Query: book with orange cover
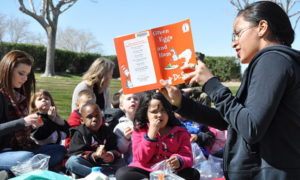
146, 57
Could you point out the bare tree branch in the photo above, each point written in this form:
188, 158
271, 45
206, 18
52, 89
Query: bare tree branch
246, 2
3, 26
48, 14
280, 2
51, 4
32, 6
237, 4
77, 40
294, 14
17, 29
69, 6
43, 8
297, 20
286, 5
48, 18
60, 4
292, 4
35, 38
35, 16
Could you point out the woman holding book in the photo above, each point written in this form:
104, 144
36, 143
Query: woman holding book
263, 118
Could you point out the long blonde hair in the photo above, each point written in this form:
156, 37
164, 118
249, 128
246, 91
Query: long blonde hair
97, 72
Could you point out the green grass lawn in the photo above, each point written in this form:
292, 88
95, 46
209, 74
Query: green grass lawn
61, 88
234, 89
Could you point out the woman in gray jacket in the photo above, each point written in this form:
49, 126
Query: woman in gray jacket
263, 119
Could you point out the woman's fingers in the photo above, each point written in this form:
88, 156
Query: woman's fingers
171, 93
188, 67
200, 75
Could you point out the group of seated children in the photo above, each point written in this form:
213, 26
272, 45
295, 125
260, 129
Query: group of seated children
140, 131
158, 136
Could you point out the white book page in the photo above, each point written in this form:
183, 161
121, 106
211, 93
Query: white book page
140, 65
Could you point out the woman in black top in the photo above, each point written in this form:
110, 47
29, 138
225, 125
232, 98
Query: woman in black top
263, 119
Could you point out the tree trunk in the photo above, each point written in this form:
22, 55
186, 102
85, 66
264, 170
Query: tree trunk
49, 69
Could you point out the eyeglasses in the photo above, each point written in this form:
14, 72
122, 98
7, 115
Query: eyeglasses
237, 35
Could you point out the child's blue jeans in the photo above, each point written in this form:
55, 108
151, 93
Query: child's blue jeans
82, 167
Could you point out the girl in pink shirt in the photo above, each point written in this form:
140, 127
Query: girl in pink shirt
158, 136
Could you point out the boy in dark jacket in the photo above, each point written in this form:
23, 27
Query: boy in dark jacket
84, 97
93, 144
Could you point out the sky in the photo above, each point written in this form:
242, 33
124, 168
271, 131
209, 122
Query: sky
211, 20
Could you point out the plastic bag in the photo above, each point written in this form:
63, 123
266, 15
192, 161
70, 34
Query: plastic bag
162, 165
198, 156
211, 169
218, 164
162, 171
38, 161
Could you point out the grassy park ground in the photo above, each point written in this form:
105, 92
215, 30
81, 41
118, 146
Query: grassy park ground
61, 88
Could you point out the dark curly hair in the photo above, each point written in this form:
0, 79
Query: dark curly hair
141, 118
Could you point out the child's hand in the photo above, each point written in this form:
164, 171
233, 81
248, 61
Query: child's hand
173, 162
171, 93
194, 137
154, 124
107, 157
153, 128
54, 117
127, 133
52, 113
99, 152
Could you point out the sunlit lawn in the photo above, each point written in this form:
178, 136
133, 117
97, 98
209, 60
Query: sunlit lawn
234, 89
61, 88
